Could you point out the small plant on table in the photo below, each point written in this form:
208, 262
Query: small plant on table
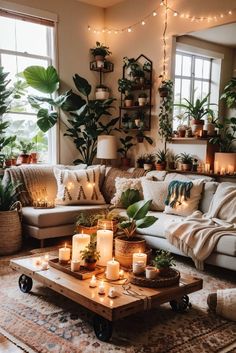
163, 261
90, 255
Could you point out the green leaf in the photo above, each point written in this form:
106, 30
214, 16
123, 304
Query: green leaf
73, 102
46, 119
82, 85
129, 197
139, 209
146, 222
125, 224
41, 79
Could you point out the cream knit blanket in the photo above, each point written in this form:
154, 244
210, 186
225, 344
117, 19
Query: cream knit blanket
198, 235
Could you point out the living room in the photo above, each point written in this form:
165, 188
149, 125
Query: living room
118, 135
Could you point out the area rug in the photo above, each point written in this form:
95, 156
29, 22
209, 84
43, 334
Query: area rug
44, 321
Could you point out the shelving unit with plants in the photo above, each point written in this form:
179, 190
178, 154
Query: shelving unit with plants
101, 65
135, 87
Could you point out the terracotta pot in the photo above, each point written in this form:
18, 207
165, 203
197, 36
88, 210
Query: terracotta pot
102, 95
24, 158
90, 266
161, 166
33, 157
128, 102
181, 133
142, 101
197, 127
86, 230
124, 249
13, 161
186, 167
125, 162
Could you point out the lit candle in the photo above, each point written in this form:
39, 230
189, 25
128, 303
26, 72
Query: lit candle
231, 169
101, 288
44, 265
93, 282
138, 267
104, 245
151, 272
112, 292
64, 254
75, 265
37, 261
140, 257
222, 171
207, 167
121, 274
79, 242
216, 167
113, 268
46, 258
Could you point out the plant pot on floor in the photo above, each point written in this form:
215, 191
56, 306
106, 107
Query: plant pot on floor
124, 249
161, 166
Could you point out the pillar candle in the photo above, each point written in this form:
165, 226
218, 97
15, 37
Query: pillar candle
79, 242
231, 169
216, 167
140, 257
104, 245
64, 254
113, 268
207, 167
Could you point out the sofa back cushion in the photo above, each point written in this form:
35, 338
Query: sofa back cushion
157, 192
208, 191
78, 187
109, 188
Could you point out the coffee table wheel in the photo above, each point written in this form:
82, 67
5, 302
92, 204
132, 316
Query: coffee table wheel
102, 328
180, 305
25, 283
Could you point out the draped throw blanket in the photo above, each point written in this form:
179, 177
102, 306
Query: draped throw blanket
178, 191
198, 235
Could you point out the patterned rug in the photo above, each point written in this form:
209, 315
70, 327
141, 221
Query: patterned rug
44, 321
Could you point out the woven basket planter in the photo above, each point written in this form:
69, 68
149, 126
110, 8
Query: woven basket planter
10, 231
124, 250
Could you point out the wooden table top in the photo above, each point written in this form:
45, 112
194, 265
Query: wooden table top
136, 299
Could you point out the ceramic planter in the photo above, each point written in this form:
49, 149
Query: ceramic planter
124, 249
100, 60
101, 94
161, 166
142, 101
128, 102
186, 167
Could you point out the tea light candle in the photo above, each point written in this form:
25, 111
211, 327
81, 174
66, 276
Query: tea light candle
140, 257
104, 245
101, 288
44, 265
93, 282
75, 265
121, 274
46, 258
138, 267
37, 261
113, 268
222, 171
112, 292
64, 254
151, 272
216, 167
79, 242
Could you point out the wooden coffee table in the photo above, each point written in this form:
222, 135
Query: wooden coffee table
131, 299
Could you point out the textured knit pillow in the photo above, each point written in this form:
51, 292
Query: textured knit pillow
123, 184
78, 187
155, 191
109, 188
187, 207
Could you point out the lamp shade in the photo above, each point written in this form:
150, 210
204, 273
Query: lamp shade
107, 147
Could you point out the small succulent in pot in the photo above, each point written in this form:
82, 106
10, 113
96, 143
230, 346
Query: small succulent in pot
161, 157
163, 261
149, 160
90, 255
186, 160
142, 98
129, 99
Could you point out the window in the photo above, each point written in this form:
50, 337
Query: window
26, 41
192, 79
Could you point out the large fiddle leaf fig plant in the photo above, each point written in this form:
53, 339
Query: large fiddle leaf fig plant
46, 81
88, 122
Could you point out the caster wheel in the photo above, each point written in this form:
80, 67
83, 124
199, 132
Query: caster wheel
181, 305
25, 283
102, 328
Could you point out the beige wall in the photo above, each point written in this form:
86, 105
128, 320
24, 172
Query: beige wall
147, 40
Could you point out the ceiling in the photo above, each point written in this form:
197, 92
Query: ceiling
102, 3
225, 35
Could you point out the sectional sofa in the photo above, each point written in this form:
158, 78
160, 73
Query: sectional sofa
60, 221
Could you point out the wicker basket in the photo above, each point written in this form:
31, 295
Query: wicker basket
10, 230
159, 282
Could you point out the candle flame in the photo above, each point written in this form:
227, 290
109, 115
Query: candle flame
113, 259
65, 245
139, 251
93, 278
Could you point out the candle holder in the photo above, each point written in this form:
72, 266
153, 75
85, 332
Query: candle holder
43, 203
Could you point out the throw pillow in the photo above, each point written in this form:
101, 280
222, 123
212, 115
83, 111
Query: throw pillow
155, 191
186, 208
78, 187
156, 175
123, 184
109, 188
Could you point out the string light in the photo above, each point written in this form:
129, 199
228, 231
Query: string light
154, 13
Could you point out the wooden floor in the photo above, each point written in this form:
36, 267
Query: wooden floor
7, 347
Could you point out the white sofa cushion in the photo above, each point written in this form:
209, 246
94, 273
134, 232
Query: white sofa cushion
155, 191
156, 175
208, 191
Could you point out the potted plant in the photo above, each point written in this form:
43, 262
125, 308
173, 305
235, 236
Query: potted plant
86, 222
90, 255
196, 112
163, 261
140, 161
132, 67
142, 137
148, 161
124, 85
172, 160
102, 92
165, 115
10, 223
181, 128
129, 243
127, 144
165, 88
211, 125
186, 160
100, 51
161, 158
26, 148
142, 98
129, 100
229, 93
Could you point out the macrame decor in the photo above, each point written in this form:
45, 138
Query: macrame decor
178, 191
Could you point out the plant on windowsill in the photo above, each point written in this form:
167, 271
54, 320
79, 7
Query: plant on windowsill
161, 159
126, 145
186, 160
90, 255
129, 243
163, 261
26, 148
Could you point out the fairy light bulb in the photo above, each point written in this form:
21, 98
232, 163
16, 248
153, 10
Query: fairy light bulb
221, 15
143, 23
230, 12
162, 3
154, 13
89, 28
103, 31
175, 14
129, 30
